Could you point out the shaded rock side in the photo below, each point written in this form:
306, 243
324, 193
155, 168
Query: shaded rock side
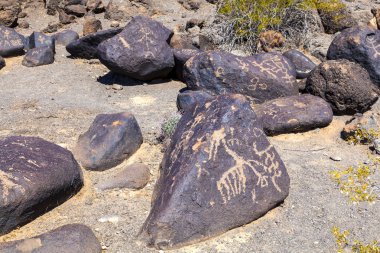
111, 139
35, 176
294, 114
181, 56
86, 47
72, 238
38, 56
302, 63
361, 45
220, 172
140, 51
260, 77
345, 85
11, 42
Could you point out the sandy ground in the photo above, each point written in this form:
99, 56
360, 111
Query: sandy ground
59, 101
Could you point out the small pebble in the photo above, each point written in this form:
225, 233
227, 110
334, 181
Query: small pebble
117, 87
336, 158
109, 218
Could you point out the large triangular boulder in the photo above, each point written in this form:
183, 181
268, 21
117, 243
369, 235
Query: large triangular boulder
35, 176
220, 172
140, 51
260, 77
359, 44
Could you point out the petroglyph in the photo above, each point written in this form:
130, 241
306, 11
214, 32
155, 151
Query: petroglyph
9, 184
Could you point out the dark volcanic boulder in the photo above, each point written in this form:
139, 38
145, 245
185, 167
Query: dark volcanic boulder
11, 43
294, 114
140, 51
344, 84
220, 172
72, 238
336, 17
361, 45
38, 56
35, 176
181, 56
2, 62
9, 11
303, 64
86, 47
65, 37
189, 99
111, 139
261, 77
37, 39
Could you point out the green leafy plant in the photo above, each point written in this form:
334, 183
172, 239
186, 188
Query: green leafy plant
342, 243
169, 125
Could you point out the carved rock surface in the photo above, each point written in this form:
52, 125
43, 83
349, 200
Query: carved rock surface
86, 47
37, 39
38, 56
11, 43
189, 99
261, 77
220, 172
35, 176
345, 85
72, 238
140, 51
111, 139
361, 45
303, 64
294, 114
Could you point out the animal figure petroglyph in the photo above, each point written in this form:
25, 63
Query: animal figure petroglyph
234, 181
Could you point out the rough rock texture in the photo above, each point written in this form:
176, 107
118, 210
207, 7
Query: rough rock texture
35, 176
11, 43
9, 11
37, 39
344, 84
91, 25
122, 10
86, 47
65, 37
220, 172
336, 21
111, 139
369, 121
2, 62
77, 10
189, 99
181, 56
38, 56
261, 77
134, 176
72, 238
303, 64
140, 51
361, 45
294, 114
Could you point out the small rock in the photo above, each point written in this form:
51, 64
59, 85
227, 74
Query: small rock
72, 238
91, 25
37, 39
64, 18
115, 24
77, 10
336, 158
9, 11
65, 37
11, 42
303, 64
38, 56
134, 176
111, 139
109, 218
117, 87
23, 24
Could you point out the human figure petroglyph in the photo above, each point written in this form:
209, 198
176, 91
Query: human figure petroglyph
374, 45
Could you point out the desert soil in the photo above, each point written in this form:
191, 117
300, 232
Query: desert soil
58, 102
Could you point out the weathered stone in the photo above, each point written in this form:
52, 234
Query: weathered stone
93, 5
86, 47
367, 122
134, 176
76, 10
181, 56
38, 56
189, 99
220, 172
23, 24
140, 51
376, 16
122, 10
37, 39
361, 45
337, 20
303, 64
11, 43
65, 18
35, 176
65, 37
9, 11
72, 238
2, 62
111, 139
344, 84
91, 25
52, 6
52, 27
294, 114
260, 77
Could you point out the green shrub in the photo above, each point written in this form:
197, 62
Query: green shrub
342, 243
169, 125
